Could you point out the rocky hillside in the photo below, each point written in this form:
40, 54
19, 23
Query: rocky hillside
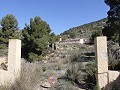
84, 31
58, 60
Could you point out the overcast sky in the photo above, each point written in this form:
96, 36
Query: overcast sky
59, 14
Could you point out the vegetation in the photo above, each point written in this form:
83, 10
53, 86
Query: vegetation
30, 79
90, 78
112, 31
95, 33
36, 38
113, 24
113, 55
9, 30
84, 31
78, 75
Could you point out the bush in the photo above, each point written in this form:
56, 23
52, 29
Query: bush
35, 57
33, 74
3, 52
113, 56
74, 74
95, 34
90, 79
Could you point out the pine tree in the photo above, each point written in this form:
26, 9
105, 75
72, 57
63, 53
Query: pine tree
53, 38
9, 29
112, 30
35, 39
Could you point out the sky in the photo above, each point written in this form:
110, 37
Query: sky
61, 15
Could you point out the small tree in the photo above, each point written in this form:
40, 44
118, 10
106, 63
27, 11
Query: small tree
9, 29
95, 34
53, 38
35, 39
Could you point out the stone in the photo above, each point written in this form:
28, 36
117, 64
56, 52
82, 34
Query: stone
101, 61
105, 78
46, 85
14, 63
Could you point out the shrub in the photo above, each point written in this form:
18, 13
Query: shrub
90, 79
74, 73
73, 76
35, 57
32, 75
113, 56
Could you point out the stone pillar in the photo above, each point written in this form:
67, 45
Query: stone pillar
53, 46
60, 39
14, 63
14, 59
56, 46
101, 61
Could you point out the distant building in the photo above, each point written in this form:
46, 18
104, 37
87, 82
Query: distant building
73, 41
70, 42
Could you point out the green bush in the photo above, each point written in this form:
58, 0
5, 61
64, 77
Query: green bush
35, 57
113, 56
90, 70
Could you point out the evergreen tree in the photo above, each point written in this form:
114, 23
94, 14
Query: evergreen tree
53, 38
9, 29
35, 39
112, 30
112, 2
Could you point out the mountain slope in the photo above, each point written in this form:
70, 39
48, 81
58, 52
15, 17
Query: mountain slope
84, 31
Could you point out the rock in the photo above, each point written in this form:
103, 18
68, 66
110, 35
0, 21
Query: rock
45, 61
46, 85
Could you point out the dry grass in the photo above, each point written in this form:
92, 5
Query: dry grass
32, 76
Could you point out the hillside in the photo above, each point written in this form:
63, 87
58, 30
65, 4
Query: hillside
84, 31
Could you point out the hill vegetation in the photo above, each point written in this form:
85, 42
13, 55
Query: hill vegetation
84, 31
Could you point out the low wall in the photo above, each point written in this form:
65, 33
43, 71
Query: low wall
114, 78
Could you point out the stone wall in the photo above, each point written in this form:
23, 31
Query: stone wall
105, 78
14, 63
